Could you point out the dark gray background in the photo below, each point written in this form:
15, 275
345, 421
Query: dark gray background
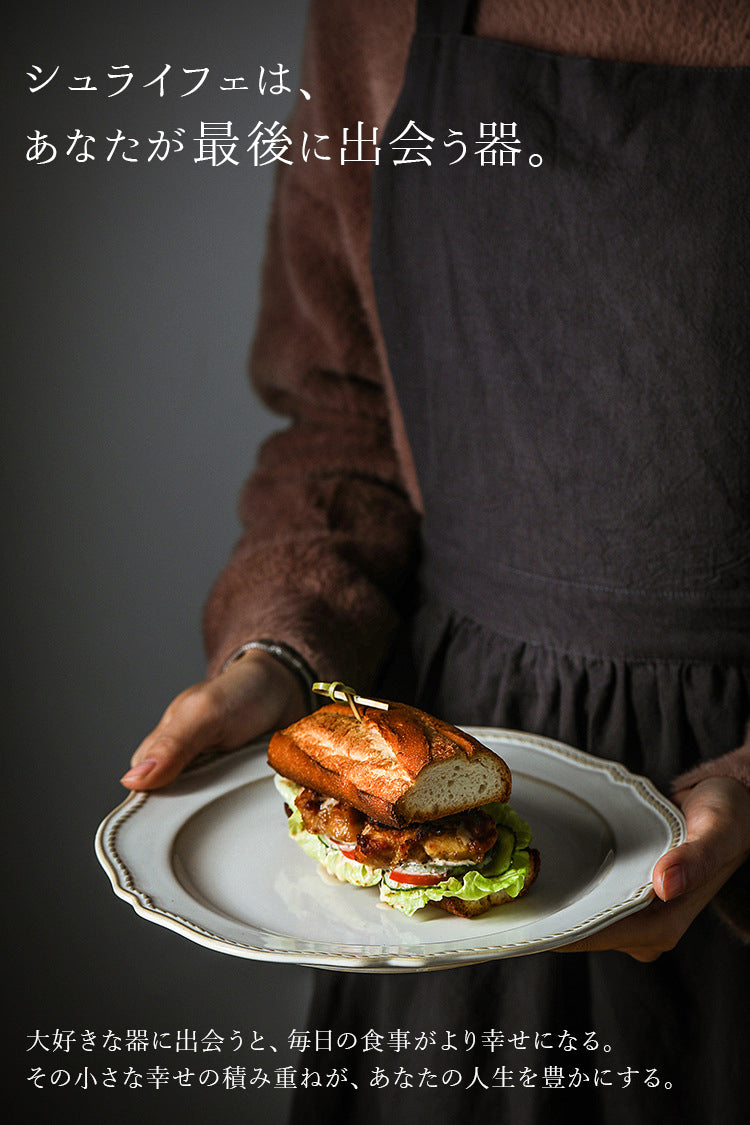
130, 294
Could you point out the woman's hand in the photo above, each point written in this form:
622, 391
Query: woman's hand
255, 694
717, 812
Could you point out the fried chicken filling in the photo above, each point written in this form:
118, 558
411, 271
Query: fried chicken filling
462, 838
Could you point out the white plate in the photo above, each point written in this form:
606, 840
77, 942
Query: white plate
210, 858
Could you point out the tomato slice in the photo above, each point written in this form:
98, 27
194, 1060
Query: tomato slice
349, 853
416, 880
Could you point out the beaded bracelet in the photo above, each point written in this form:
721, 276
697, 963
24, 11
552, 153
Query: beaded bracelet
288, 656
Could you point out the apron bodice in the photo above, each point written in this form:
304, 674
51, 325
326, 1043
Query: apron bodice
561, 252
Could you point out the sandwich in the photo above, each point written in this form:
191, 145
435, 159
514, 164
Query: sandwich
385, 795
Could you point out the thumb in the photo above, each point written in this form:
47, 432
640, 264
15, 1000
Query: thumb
715, 838
190, 724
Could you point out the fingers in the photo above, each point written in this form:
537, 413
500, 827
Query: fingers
650, 932
254, 695
717, 813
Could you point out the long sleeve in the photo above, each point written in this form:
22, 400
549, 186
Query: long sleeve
329, 515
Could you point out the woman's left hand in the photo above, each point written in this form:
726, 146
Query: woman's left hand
717, 812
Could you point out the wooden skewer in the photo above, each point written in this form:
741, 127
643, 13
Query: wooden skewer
344, 694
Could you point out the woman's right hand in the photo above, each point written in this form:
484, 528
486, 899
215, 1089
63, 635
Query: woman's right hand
254, 695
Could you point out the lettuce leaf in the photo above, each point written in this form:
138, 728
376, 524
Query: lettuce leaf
506, 871
472, 886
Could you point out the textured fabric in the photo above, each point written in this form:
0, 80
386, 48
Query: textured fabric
683, 1025
570, 350
570, 347
318, 354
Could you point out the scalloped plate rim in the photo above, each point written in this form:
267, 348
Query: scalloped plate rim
361, 957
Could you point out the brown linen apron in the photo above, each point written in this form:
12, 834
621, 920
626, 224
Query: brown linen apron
571, 348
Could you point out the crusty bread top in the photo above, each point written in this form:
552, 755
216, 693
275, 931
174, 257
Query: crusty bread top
399, 766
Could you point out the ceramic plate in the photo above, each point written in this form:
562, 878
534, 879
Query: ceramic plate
209, 857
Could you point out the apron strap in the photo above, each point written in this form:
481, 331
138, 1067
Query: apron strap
445, 17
